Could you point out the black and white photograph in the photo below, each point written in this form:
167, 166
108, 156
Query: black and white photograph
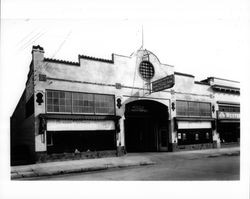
124, 99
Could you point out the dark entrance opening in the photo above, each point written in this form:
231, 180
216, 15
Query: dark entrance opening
146, 126
229, 132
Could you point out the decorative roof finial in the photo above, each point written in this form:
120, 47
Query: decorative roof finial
142, 37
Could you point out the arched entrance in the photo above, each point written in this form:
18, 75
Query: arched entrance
146, 126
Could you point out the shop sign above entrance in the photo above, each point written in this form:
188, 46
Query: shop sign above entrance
163, 83
228, 115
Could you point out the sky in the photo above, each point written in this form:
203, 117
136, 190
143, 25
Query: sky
199, 37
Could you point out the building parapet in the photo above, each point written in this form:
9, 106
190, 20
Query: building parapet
97, 59
61, 61
183, 74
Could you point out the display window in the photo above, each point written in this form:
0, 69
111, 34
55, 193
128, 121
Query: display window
194, 136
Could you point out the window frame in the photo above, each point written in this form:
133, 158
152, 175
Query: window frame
49, 136
200, 113
77, 113
85, 113
229, 108
46, 101
141, 65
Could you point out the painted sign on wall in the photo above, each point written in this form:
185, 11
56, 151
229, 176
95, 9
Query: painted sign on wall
228, 115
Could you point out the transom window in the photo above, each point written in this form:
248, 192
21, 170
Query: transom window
85, 103
235, 109
195, 109
59, 101
146, 70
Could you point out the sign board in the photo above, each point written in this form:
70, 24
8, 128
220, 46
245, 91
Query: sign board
138, 108
163, 83
228, 115
70, 125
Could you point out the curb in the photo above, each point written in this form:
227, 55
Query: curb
224, 154
33, 173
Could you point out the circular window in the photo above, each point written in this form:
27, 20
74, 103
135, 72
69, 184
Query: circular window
146, 70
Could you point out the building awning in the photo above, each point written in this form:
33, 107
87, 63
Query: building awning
79, 117
226, 89
70, 125
229, 121
70, 122
194, 119
228, 103
193, 123
223, 115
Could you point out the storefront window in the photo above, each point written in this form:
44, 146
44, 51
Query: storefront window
194, 136
49, 139
184, 136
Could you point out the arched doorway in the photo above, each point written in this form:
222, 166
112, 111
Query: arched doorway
146, 126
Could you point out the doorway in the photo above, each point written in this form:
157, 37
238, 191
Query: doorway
146, 126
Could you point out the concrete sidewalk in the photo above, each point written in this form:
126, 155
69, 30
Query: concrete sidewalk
131, 159
74, 166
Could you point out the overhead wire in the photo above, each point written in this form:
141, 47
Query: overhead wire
33, 40
59, 48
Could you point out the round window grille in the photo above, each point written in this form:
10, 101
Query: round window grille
146, 70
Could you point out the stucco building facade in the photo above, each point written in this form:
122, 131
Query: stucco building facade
97, 107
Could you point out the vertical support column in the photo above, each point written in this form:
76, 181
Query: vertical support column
215, 133
173, 125
216, 136
120, 109
120, 136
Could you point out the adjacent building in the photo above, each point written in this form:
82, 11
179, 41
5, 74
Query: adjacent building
98, 107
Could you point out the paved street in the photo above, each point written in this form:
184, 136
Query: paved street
197, 165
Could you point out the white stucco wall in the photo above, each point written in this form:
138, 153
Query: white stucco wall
95, 76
